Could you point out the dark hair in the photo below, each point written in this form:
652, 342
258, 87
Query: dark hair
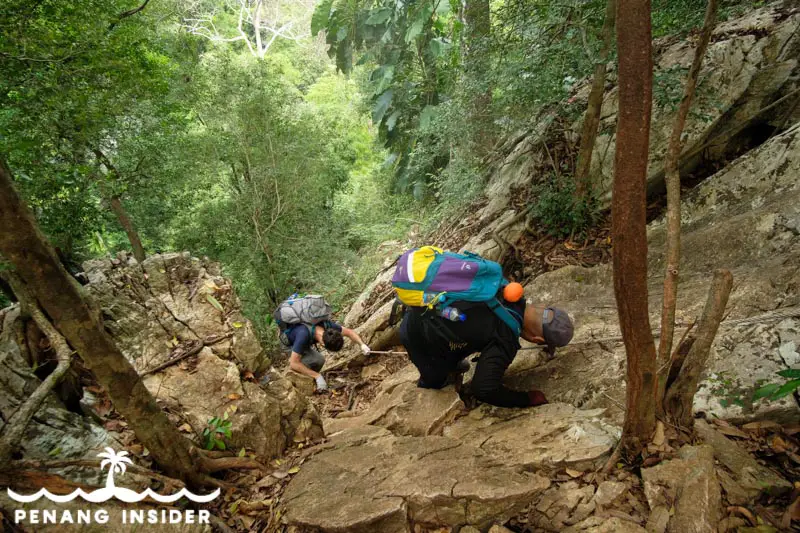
333, 340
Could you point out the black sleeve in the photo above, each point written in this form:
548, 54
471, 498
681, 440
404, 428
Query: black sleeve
487, 384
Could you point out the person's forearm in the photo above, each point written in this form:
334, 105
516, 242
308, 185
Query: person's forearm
355, 337
300, 368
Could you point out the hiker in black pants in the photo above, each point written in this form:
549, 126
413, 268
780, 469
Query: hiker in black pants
438, 346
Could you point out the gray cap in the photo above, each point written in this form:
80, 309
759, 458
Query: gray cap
556, 328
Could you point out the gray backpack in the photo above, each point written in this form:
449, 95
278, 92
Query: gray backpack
309, 310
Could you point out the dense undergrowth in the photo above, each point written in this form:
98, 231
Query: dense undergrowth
268, 157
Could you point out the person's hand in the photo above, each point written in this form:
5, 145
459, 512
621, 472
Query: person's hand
365, 349
537, 398
322, 385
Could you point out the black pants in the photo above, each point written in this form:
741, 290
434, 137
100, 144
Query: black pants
434, 365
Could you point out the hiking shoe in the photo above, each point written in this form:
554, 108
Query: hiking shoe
462, 366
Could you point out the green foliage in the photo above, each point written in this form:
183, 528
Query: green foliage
216, 431
776, 391
557, 213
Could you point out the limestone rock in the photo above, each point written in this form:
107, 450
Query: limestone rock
553, 435
609, 491
597, 524
265, 423
169, 299
406, 410
745, 478
304, 384
499, 529
740, 218
691, 483
434, 480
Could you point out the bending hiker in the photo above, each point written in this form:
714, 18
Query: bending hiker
305, 322
480, 313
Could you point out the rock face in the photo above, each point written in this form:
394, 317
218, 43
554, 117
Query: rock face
690, 484
168, 305
167, 300
429, 480
172, 302
552, 435
389, 470
742, 218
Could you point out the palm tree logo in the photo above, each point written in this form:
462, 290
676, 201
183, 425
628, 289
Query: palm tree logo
116, 464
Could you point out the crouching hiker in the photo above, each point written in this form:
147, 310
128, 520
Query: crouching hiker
459, 305
305, 323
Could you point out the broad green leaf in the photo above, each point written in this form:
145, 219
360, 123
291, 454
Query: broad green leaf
438, 47
786, 389
443, 7
321, 16
213, 301
341, 34
379, 16
392, 120
242, 452
426, 116
765, 391
238, 325
293, 470
381, 106
790, 373
221, 445
418, 25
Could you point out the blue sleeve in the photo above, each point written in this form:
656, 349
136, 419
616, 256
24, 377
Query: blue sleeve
333, 325
302, 339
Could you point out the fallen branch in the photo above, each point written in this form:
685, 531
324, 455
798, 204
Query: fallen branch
193, 351
210, 464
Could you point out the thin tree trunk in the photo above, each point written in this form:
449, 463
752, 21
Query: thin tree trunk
477, 16
591, 121
127, 225
15, 427
628, 214
680, 395
673, 181
63, 301
119, 210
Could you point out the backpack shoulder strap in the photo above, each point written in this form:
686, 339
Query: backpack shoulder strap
510, 317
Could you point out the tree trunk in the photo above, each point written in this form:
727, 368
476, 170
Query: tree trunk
628, 214
119, 210
477, 16
63, 301
680, 395
673, 181
591, 122
127, 225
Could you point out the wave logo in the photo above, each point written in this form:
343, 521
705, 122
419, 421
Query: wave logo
116, 463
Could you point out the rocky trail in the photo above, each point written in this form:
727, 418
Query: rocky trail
378, 454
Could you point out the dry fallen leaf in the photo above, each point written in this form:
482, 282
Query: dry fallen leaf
573, 473
234, 396
279, 474
294, 470
733, 432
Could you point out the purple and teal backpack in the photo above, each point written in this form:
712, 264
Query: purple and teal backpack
430, 277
